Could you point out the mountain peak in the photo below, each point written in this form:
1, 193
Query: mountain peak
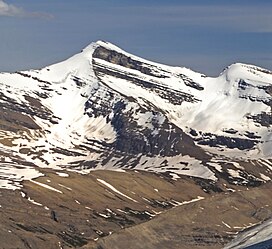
112, 108
101, 43
238, 71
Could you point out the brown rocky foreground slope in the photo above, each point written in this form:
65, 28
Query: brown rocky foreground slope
132, 209
205, 224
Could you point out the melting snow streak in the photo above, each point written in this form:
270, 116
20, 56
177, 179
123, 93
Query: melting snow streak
114, 189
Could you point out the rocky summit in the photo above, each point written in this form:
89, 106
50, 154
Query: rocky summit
167, 136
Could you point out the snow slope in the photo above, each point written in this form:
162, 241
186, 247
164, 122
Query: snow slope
107, 109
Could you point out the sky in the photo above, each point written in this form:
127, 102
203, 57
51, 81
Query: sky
204, 35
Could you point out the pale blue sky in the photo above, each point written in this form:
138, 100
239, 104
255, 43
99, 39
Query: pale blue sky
205, 35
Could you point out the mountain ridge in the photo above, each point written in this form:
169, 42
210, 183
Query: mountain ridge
107, 109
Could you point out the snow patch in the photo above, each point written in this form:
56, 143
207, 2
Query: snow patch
115, 190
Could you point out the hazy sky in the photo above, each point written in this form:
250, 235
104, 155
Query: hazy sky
205, 35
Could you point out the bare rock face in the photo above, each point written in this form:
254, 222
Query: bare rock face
106, 109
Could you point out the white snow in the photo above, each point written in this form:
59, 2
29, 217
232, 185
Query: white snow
227, 225
217, 166
61, 185
104, 215
13, 174
115, 190
194, 167
234, 173
264, 177
62, 174
199, 198
46, 186
34, 202
237, 165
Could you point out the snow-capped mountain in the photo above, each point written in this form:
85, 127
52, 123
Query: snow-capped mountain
107, 109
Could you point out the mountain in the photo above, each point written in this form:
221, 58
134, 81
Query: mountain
106, 109
155, 146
